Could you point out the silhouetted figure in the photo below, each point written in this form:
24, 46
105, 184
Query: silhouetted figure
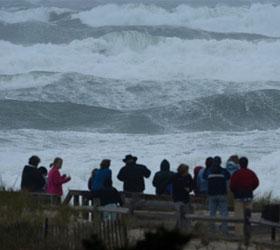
182, 185
44, 172
132, 175
55, 179
202, 184
162, 179
217, 178
91, 179
195, 179
110, 198
242, 183
32, 180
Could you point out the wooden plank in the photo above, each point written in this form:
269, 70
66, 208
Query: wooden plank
215, 219
119, 210
67, 198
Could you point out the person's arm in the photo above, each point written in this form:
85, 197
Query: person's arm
146, 172
89, 183
256, 181
191, 183
60, 179
121, 175
155, 180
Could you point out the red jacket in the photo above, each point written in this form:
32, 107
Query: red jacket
55, 181
243, 183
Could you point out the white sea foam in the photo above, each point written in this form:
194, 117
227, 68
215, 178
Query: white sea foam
257, 18
262, 148
40, 14
133, 55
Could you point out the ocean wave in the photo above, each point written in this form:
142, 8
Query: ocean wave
256, 18
134, 55
40, 14
116, 94
227, 112
66, 31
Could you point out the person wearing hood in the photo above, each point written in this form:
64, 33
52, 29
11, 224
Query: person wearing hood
132, 175
232, 164
32, 180
242, 184
162, 179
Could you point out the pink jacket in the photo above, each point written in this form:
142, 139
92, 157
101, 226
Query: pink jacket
55, 181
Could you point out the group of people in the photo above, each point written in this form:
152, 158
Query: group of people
39, 179
211, 181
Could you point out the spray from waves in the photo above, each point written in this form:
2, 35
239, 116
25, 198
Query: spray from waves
41, 14
220, 18
133, 55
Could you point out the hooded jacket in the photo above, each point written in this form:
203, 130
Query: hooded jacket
162, 179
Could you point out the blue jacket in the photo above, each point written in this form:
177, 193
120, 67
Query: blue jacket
101, 176
217, 178
202, 183
232, 167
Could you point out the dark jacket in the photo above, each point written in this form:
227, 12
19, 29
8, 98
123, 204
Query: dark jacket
181, 188
243, 183
161, 181
109, 195
32, 180
217, 178
133, 176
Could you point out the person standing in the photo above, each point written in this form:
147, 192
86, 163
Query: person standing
182, 185
202, 183
132, 175
101, 175
109, 198
32, 180
55, 179
217, 178
242, 183
162, 179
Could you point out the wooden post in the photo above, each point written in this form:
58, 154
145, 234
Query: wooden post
273, 233
247, 226
46, 228
85, 202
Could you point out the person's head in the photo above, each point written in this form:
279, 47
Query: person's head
234, 158
105, 163
165, 165
183, 169
34, 161
108, 183
243, 162
43, 171
57, 162
217, 161
209, 162
129, 159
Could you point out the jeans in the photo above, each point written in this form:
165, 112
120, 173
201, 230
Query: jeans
182, 209
219, 203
